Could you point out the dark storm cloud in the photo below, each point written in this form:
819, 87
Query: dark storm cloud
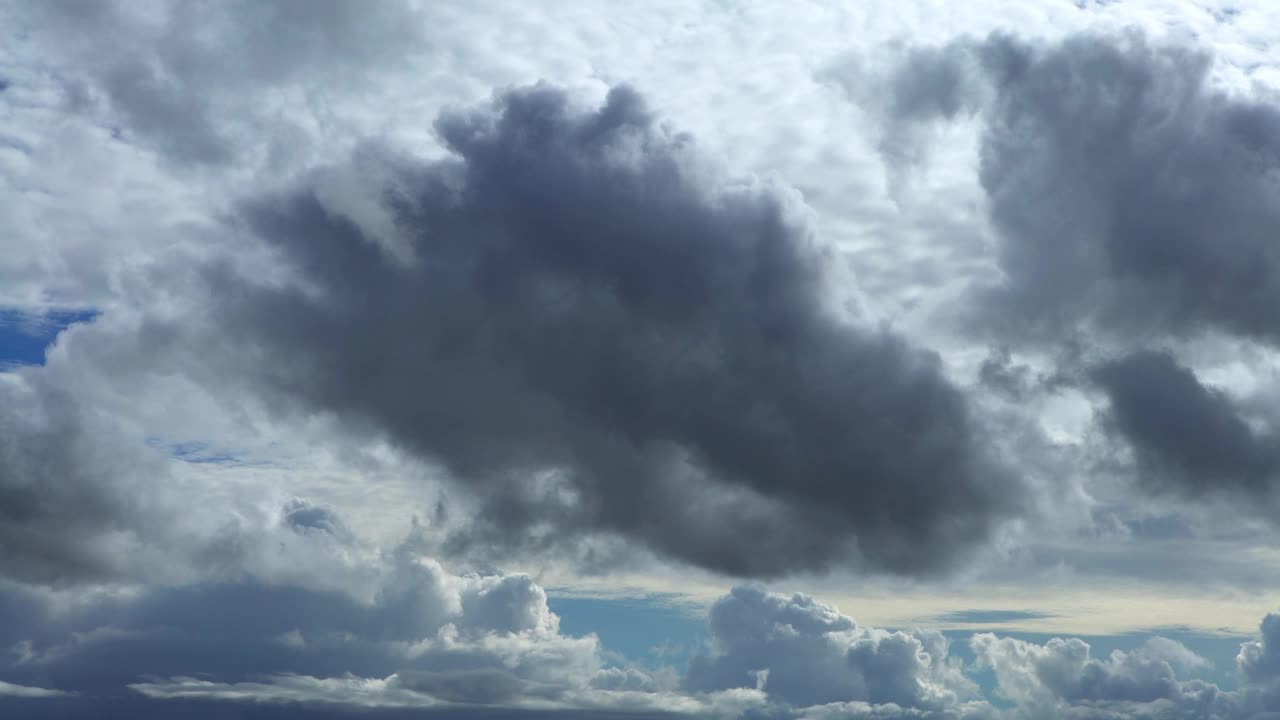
1186, 435
596, 332
1127, 190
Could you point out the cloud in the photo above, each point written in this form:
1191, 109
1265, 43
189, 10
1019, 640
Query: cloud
1061, 679
1189, 437
1128, 191
26, 691
417, 636
804, 653
194, 80
595, 331
71, 503
1031, 674
86, 500
772, 656
1130, 194
1259, 660
452, 694
614, 347
421, 642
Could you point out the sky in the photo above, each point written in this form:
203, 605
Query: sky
580, 359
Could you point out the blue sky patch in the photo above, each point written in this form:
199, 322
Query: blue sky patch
647, 631
993, 617
195, 452
24, 337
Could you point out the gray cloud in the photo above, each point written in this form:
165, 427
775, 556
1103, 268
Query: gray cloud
1134, 204
600, 336
1061, 679
421, 645
27, 691
70, 502
1065, 670
183, 76
1127, 190
1259, 660
761, 640
84, 499
419, 637
587, 324
1187, 436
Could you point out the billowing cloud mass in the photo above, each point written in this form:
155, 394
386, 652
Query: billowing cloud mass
584, 321
83, 499
1134, 202
56, 507
1061, 679
1127, 189
804, 653
463, 646
1186, 434
454, 359
426, 638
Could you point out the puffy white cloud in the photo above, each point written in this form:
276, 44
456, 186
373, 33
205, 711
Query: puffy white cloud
804, 653
1032, 674
1060, 679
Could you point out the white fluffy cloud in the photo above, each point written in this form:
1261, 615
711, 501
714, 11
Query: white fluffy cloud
804, 653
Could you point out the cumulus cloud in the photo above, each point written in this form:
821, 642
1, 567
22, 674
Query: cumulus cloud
1061, 679
88, 499
1188, 436
417, 636
1032, 674
771, 655
1128, 190
598, 332
430, 641
803, 653
56, 509
1131, 194
1259, 660
609, 343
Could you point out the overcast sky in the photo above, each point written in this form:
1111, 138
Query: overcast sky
584, 359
